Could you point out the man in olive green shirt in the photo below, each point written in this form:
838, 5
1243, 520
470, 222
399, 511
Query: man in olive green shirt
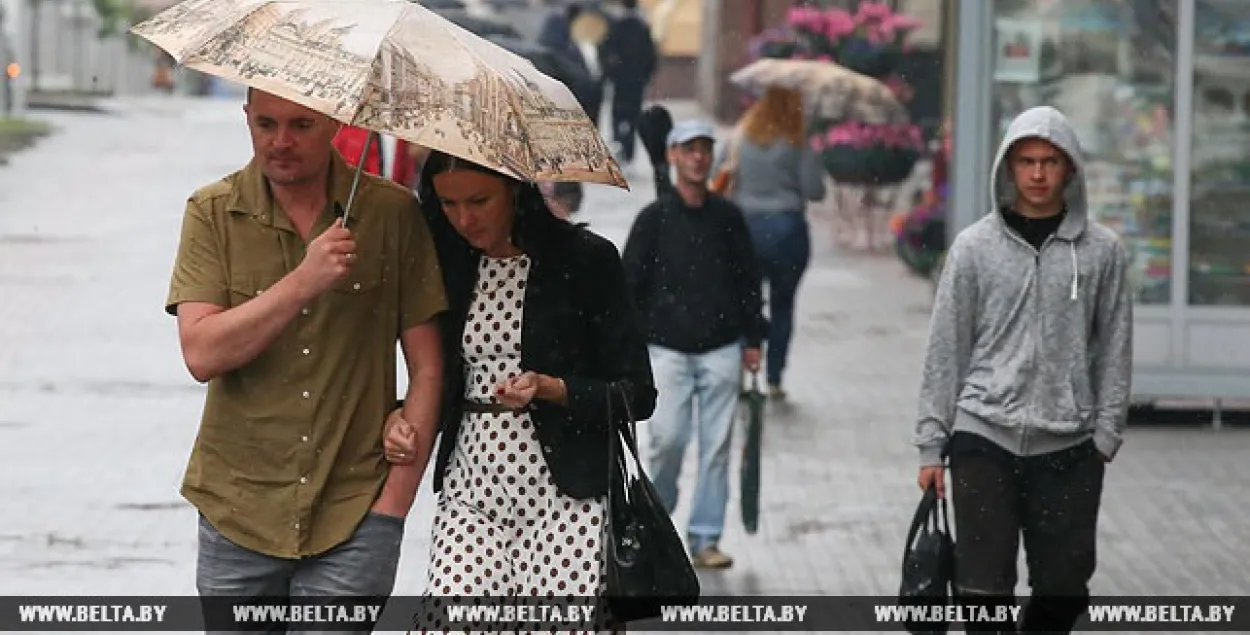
292, 320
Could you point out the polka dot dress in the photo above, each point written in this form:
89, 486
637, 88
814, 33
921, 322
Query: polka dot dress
501, 528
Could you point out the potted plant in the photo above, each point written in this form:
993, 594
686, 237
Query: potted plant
856, 153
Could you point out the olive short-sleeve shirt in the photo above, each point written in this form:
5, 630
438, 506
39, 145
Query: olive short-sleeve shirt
288, 458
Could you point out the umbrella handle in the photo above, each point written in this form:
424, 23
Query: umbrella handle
360, 166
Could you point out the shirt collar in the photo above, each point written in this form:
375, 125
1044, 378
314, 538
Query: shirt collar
252, 194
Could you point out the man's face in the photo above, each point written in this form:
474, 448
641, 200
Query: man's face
292, 143
1040, 171
692, 159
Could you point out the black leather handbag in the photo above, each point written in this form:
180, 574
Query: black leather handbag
647, 562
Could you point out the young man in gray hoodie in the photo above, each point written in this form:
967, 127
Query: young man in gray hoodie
1027, 378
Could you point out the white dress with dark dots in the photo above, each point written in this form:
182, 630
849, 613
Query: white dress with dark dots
501, 528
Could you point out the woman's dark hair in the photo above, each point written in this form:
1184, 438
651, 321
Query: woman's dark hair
533, 223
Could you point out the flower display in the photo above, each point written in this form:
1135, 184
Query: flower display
865, 154
860, 135
874, 29
870, 41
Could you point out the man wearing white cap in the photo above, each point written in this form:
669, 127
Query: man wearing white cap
691, 269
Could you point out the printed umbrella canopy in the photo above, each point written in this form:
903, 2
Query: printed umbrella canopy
394, 67
829, 91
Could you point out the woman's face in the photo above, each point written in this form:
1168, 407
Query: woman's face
480, 207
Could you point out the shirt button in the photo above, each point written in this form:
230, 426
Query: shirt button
356, 286
546, 448
303, 480
304, 310
296, 525
306, 351
304, 438
307, 394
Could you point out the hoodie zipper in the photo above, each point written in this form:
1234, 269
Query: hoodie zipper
1037, 299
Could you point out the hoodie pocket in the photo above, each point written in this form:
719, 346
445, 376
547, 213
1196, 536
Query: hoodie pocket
1070, 411
1082, 395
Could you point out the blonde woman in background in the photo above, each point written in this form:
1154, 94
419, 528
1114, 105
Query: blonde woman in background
774, 175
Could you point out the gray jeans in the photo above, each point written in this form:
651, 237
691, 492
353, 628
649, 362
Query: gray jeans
365, 565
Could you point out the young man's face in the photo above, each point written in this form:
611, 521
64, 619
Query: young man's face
692, 159
1040, 171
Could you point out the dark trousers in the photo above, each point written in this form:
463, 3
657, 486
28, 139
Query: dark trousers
783, 250
626, 108
365, 566
1053, 500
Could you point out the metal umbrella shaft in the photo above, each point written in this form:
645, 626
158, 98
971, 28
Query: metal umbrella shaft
360, 166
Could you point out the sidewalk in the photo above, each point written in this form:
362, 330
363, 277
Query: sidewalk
97, 413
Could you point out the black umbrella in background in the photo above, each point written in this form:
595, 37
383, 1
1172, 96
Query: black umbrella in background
653, 127
749, 475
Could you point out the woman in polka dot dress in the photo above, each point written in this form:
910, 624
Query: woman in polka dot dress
539, 326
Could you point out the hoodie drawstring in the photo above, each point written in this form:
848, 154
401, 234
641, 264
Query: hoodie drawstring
1076, 272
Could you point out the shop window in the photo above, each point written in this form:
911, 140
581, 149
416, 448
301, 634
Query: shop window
1110, 67
1219, 226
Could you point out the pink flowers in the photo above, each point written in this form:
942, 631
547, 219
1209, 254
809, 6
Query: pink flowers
873, 21
806, 18
860, 135
838, 24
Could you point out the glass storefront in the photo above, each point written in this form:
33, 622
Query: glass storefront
1110, 67
1219, 226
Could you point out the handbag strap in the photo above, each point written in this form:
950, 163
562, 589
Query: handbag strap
627, 427
924, 512
627, 431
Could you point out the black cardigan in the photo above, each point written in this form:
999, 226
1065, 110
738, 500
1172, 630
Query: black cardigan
579, 325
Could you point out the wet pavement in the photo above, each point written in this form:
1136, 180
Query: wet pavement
97, 413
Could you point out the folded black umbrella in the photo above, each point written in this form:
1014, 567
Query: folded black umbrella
751, 451
654, 124
928, 563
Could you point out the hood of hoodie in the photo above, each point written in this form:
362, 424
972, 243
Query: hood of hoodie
1047, 123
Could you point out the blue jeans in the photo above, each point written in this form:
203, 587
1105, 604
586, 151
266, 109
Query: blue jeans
711, 379
365, 565
783, 249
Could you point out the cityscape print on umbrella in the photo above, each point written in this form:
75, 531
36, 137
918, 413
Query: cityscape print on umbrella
398, 68
273, 47
504, 120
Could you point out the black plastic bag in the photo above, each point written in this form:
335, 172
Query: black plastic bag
928, 563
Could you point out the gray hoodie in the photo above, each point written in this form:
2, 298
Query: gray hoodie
1031, 349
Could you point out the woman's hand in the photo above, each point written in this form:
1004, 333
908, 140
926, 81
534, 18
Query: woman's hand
399, 440
518, 391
